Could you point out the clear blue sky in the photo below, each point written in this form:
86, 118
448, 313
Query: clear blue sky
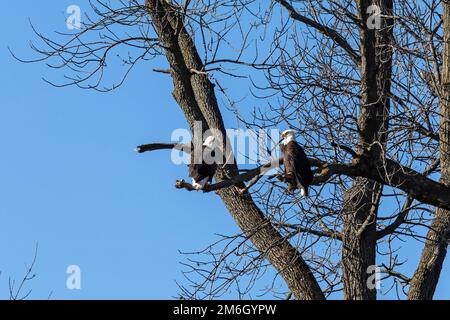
71, 181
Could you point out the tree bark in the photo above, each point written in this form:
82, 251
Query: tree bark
362, 199
425, 279
195, 95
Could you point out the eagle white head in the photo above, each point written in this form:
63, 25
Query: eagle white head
210, 142
287, 136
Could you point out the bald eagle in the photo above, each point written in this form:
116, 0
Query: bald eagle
296, 165
202, 172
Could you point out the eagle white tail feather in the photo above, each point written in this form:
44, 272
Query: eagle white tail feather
301, 188
302, 191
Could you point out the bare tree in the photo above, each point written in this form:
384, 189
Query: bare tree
366, 83
425, 279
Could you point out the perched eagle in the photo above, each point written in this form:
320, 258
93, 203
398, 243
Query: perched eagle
200, 171
296, 165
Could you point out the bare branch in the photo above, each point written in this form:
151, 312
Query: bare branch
336, 37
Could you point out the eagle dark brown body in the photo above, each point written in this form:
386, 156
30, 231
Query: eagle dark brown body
201, 172
296, 167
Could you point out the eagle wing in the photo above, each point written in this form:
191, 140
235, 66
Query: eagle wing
199, 171
296, 162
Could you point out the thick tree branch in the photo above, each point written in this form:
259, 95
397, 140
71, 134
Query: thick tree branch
161, 146
391, 173
195, 95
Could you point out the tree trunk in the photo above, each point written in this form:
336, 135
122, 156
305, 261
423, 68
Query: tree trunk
425, 279
195, 95
362, 199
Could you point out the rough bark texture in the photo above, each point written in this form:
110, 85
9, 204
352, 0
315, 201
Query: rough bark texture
195, 95
340, 65
425, 279
362, 199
